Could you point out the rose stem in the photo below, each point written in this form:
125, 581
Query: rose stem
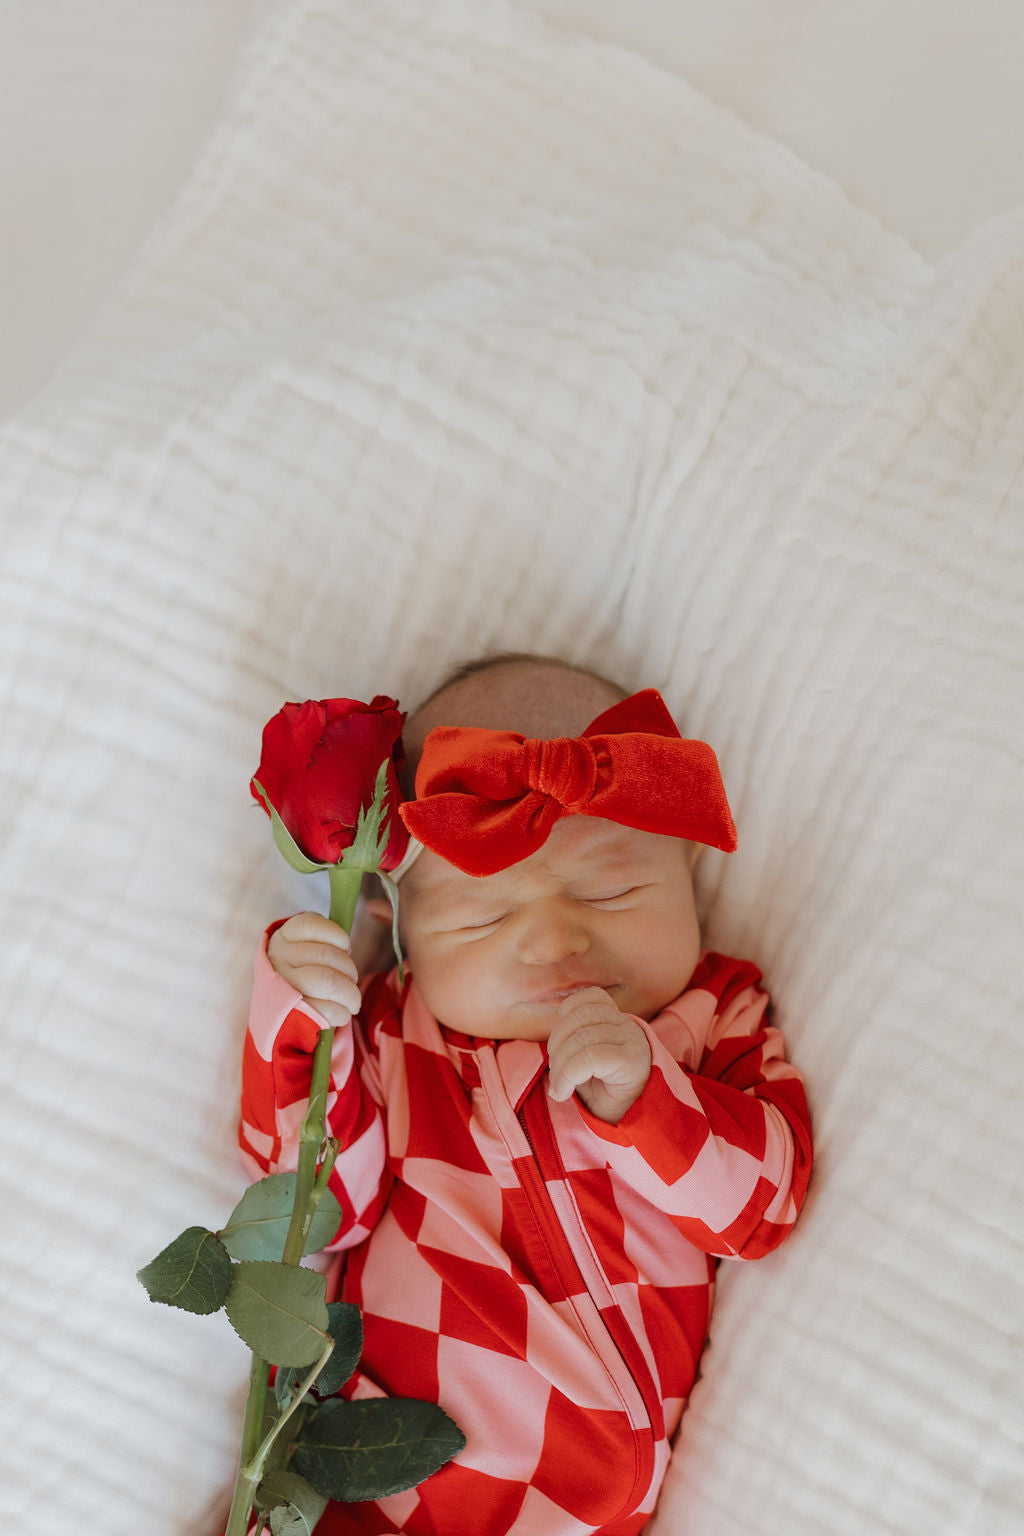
344, 895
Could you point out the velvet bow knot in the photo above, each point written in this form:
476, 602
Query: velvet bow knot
564, 770
486, 799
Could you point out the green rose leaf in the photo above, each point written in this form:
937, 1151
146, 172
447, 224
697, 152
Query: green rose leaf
346, 1329
258, 1225
375, 1447
194, 1272
295, 1506
286, 844
279, 1311
370, 839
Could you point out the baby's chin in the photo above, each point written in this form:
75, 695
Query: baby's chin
533, 1023
520, 1027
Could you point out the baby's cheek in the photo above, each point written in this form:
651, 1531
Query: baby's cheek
449, 985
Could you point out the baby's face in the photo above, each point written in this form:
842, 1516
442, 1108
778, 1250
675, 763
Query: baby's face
598, 905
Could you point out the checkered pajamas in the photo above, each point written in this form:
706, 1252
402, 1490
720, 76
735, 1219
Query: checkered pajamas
544, 1276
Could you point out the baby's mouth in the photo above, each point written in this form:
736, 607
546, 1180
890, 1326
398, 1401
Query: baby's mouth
557, 995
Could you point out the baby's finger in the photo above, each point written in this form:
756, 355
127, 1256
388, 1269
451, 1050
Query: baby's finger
325, 983
312, 955
334, 1014
323, 955
613, 1053
315, 928
588, 1053
589, 1008
586, 998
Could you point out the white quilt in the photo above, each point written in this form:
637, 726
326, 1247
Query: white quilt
470, 334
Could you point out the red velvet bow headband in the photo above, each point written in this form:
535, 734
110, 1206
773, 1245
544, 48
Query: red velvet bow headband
486, 799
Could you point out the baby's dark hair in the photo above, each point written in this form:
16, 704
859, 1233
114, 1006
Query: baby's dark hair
502, 658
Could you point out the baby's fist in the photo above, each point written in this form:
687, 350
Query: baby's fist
598, 1052
312, 955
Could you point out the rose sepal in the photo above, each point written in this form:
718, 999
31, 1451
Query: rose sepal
370, 840
286, 844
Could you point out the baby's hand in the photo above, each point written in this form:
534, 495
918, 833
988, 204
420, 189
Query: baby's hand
599, 1053
312, 954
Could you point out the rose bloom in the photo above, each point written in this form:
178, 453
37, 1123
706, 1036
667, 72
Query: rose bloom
318, 767
599, 905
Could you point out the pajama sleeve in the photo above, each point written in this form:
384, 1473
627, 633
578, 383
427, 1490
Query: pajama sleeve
722, 1147
277, 1064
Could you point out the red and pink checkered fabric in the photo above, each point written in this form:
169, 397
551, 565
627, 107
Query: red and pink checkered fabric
544, 1276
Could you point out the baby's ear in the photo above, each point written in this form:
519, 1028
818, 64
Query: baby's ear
374, 901
380, 908
693, 853
371, 930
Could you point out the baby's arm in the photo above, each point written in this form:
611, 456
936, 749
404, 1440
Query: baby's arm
598, 1053
725, 1150
305, 979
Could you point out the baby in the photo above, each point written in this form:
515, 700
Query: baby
558, 1123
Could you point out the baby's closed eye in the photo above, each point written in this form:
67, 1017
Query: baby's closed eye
483, 922
603, 898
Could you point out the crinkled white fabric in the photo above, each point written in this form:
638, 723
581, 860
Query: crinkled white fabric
466, 333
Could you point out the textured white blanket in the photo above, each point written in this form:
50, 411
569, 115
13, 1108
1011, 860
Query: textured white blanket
467, 334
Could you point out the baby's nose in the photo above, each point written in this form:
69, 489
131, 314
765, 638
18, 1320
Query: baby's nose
552, 935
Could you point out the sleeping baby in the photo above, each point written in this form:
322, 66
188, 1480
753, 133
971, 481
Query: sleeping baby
561, 1119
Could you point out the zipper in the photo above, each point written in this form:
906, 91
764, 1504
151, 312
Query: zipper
531, 1176
611, 1318
608, 1323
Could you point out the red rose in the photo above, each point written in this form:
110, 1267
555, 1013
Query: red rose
319, 763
